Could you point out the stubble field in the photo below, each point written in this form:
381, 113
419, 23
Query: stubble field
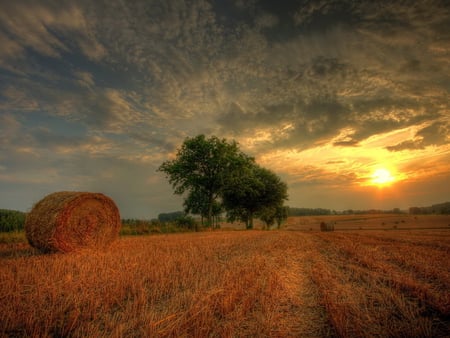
234, 283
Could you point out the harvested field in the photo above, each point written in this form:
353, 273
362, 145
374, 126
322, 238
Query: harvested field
369, 222
239, 283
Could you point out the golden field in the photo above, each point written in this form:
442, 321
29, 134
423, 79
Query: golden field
351, 283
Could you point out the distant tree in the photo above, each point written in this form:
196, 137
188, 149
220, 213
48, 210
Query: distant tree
415, 210
170, 216
308, 211
255, 190
441, 208
203, 168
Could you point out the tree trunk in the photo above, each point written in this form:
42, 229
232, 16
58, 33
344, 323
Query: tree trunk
218, 222
250, 221
210, 211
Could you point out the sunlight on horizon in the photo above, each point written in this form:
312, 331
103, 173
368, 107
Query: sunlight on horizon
382, 177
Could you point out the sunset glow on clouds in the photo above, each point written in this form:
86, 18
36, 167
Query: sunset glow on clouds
96, 95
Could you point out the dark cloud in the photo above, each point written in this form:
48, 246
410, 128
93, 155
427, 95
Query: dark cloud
323, 178
407, 145
335, 162
346, 143
436, 134
322, 67
317, 120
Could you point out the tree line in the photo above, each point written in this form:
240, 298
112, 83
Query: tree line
216, 177
441, 208
11, 220
309, 211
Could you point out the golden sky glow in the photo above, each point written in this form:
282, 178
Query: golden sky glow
382, 177
96, 95
357, 162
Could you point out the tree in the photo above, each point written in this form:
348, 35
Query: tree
272, 214
170, 216
203, 168
254, 191
281, 214
196, 203
267, 215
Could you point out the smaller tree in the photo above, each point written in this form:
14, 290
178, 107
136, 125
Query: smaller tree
196, 203
254, 191
267, 215
170, 216
281, 215
187, 222
274, 214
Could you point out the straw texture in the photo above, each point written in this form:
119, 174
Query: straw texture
66, 221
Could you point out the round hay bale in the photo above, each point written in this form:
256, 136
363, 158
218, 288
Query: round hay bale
66, 221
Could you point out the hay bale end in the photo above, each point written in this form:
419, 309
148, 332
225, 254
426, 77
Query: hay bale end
67, 221
329, 226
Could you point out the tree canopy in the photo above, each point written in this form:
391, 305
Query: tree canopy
256, 191
202, 168
215, 176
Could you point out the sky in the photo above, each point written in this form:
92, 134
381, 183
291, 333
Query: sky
95, 95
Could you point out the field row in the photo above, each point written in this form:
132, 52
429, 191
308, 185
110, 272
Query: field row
378, 283
370, 222
257, 283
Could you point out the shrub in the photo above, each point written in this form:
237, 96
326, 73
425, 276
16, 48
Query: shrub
11, 220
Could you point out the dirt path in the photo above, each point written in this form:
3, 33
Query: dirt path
301, 315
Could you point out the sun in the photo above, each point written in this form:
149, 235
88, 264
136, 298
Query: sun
382, 177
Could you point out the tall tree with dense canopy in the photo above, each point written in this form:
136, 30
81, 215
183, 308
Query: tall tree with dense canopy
203, 168
256, 190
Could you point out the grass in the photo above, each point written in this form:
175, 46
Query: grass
147, 228
139, 229
12, 237
233, 283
